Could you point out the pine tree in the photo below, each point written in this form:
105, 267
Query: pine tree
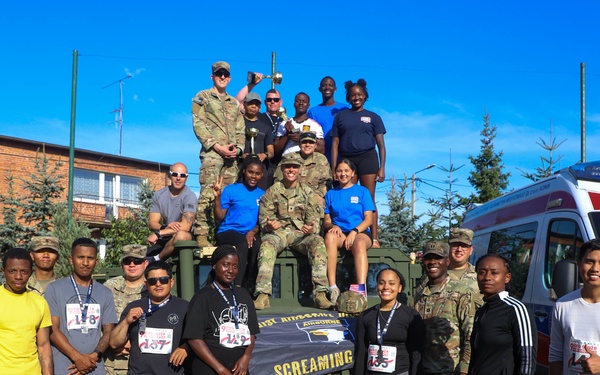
487, 177
67, 230
548, 164
12, 232
448, 208
397, 229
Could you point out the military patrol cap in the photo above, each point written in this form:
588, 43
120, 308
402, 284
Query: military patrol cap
293, 158
252, 96
134, 251
461, 235
308, 136
436, 247
44, 242
220, 65
351, 302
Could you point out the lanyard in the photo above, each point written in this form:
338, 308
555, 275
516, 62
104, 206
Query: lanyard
82, 306
380, 333
236, 309
152, 309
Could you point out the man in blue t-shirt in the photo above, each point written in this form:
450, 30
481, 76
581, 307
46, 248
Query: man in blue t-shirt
325, 112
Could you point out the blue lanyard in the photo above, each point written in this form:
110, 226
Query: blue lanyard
82, 306
380, 333
152, 309
236, 309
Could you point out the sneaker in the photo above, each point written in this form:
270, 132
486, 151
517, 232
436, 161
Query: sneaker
334, 293
375, 244
322, 302
202, 241
262, 302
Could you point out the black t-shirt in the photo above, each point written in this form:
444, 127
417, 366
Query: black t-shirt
406, 332
206, 312
262, 140
357, 131
171, 317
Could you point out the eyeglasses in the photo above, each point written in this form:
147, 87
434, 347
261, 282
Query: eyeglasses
222, 72
177, 174
154, 280
136, 261
276, 100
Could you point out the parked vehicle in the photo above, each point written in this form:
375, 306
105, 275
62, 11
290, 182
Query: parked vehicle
540, 228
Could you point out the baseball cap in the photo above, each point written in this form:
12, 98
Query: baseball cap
252, 96
44, 242
134, 251
461, 235
220, 65
308, 136
293, 158
436, 247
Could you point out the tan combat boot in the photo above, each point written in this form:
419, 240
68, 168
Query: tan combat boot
202, 241
262, 302
322, 302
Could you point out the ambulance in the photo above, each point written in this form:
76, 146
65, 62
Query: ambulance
540, 228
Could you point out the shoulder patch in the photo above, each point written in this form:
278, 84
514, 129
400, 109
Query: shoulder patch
198, 100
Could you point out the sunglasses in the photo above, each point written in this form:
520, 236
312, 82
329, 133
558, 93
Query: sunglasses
154, 280
136, 261
276, 100
177, 174
220, 73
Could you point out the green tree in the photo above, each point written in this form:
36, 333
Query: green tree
487, 177
67, 230
449, 207
548, 163
397, 229
12, 232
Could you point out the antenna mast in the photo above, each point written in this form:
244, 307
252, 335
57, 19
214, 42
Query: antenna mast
119, 111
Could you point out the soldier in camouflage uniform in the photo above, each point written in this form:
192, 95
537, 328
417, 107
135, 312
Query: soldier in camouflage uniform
461, 248
448, 309
219, 126
127, 288
316, 171
44, 253
289, 217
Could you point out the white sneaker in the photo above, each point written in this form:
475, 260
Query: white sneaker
334, 293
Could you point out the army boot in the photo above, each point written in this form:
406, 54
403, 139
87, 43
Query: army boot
262, 302
322, 302
202, 241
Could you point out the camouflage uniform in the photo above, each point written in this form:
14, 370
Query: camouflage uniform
448, 311
293, 208
315, 173
122, 295
468, 278
217, 120
35, 286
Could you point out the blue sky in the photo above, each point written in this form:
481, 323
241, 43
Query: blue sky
432, 69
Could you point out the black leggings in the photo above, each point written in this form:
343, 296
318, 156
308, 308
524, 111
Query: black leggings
247, 258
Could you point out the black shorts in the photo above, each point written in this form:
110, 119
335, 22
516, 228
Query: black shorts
366, 163
367, 233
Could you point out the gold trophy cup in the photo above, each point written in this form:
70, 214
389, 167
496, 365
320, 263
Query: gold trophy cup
252, 132
277, 77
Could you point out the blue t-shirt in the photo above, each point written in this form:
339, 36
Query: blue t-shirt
357, 131
324, 115
347, 206
242, 208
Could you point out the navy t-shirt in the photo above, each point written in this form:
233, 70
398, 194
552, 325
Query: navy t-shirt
356, 131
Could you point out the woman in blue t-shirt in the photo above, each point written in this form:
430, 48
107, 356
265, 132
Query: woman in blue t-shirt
355, 134
348, 215
236, 209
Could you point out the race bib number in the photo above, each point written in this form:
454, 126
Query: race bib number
230, 337
156, 340
578, 352
386, 362
74, 320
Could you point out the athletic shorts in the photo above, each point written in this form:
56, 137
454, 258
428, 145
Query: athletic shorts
366, 163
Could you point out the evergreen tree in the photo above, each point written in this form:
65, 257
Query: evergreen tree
548, 164
43, 189
487, 177
67, 230
449, 208
12, 232
397, 229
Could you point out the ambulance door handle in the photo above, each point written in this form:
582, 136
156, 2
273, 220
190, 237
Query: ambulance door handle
541, 313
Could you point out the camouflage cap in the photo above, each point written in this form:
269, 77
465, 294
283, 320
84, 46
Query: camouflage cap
461, 235
252, 96
308, 136
436, 247
44, 242
220, 65
134, 251
351, 302
293, 158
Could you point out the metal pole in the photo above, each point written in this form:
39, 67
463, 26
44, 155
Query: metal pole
273, 69
72, 138
582, 74
120, 116
414, 194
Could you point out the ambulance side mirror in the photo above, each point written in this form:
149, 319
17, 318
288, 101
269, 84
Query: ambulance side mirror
565, 278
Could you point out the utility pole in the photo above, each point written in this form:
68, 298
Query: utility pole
119, 111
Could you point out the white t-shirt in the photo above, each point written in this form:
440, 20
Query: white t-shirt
308, 125
575, 323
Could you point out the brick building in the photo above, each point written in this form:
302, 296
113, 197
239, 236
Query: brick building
103, 184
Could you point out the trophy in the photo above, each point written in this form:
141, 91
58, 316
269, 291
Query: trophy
277, 77
282, 113
252, 132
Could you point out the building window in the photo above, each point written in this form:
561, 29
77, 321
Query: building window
100, 187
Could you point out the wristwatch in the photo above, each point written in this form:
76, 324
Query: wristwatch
99, 354
157, 232
355, 230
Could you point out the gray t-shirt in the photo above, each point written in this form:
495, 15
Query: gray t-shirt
64, 304
172, 208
